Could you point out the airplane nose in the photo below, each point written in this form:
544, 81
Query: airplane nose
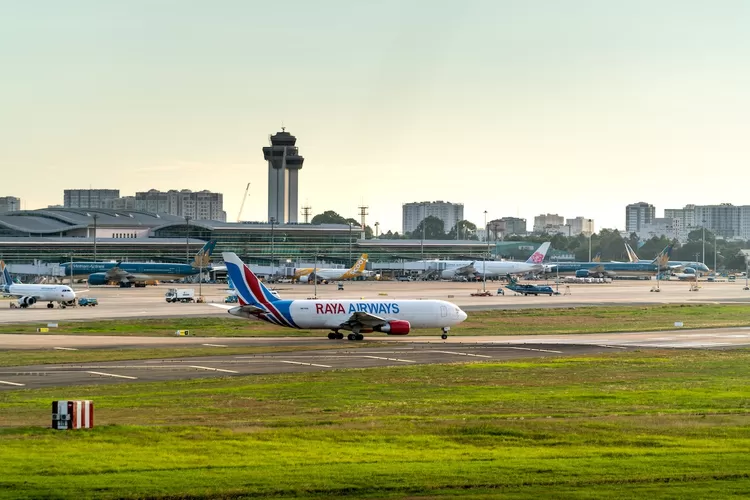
462, 315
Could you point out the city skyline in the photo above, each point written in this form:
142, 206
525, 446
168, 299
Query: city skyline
501, 106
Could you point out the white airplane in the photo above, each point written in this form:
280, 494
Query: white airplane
394, 317
304, 274
29, 295
497, 267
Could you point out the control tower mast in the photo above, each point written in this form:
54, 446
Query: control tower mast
284, 163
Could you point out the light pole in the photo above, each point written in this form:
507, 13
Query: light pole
95, 217
350, 245
703, 239
273, 246
187, 239
421, 244
591, 233
484, 264
715, 252
377, 225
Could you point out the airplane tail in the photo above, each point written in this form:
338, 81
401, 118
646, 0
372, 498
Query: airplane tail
662, 260
203, 257
538, 256
7, 279
250, 290
632, 256
359, 266
597, 257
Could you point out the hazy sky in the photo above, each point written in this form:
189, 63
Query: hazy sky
517, 108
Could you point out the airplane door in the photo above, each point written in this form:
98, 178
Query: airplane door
443, 311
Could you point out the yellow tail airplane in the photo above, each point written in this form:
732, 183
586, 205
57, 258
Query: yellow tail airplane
358, 269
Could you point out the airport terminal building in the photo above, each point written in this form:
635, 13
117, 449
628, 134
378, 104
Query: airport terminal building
63, 234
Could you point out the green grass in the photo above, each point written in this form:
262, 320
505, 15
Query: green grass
653, 424
496, 322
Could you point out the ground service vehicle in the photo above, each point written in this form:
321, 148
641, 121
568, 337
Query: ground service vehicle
88, 301
180, 295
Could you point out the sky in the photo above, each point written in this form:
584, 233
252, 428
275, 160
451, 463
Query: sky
513, 107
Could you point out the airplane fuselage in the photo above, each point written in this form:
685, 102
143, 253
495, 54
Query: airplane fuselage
153, 270
42, 293
330, 314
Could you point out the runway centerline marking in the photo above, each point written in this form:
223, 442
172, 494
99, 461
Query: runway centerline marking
12, 383
301, 363
64, 349
390, 359
530, 349
214, 345
464, 354
113, 375
610, 346
211, 369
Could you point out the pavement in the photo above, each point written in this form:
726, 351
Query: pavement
399, 351
117, 303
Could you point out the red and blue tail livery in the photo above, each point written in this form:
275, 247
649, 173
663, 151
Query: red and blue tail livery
393, 317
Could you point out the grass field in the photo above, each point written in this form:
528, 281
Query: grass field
653, 424
497, 322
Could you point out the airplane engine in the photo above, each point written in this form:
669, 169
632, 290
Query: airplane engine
448, 274
304, 279
98, 279
26, 301
395, 327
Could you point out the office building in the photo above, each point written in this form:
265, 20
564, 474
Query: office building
548, 223
284, 164
122, 203
9, 204
413, 213
637, 214
89, 198
199, 205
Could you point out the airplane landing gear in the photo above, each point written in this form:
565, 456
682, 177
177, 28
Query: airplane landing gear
446, 329
335, 335
355, 336
50, 305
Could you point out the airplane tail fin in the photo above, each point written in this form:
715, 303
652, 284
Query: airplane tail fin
359, 266
632, 256
538, 256
597, 257
7, 279
662, 260
250, 290
203, 256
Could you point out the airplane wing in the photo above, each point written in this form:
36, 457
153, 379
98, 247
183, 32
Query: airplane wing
466, 270
362, 320
247, 308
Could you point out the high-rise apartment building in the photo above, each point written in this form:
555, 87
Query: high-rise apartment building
414, 213
201, 205
548, 223
89, 198
9, 204
580, 225
637, 214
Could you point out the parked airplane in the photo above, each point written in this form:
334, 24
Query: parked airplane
28, 295
495, 267
674, 265
305, 274
394, 317
613, 269
138, 273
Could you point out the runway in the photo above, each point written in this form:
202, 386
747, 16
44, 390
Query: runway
120, 303
400, 351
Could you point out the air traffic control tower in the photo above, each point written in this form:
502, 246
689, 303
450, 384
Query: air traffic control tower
284, 163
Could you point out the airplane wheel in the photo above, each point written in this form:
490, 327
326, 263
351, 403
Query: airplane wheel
444, 336
331, 336
50, 305
351, 336
359, 336
339, 336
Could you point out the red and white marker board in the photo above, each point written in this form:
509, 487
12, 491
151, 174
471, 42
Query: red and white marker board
67, 415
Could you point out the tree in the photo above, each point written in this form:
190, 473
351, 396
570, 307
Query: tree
330, 217
433, 229
466, 231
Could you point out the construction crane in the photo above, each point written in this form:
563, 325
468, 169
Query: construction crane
242, 205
